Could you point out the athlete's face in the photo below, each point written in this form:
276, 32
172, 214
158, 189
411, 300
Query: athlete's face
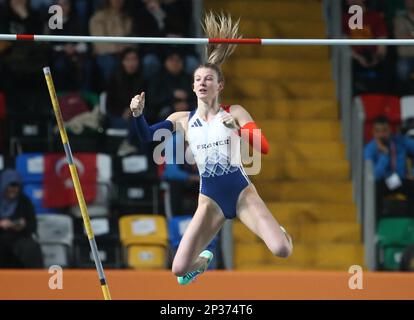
206, 85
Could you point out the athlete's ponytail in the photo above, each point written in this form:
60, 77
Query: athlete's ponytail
219, 26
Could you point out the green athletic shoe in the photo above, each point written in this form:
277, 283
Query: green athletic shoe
189, 277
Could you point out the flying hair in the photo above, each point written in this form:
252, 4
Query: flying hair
224, 27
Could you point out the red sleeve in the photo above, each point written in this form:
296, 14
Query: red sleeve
254, 135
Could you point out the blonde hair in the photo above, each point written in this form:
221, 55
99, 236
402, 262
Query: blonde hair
219, 26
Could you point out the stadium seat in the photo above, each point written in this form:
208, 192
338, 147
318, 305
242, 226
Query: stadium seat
135, 183
93, 211
101, 205
147, 257
55, 228
113, 137
143, 229
133, 168
35, 193
31, 134
394, 235
107, 238
396, 231
103, 194
390, 257
55, 254
102, 102
103, 228
138, 196
407, 107
145, 239
109, 252
104, 167
31, 167
55, 235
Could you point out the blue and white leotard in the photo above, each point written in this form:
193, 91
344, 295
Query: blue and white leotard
216, 150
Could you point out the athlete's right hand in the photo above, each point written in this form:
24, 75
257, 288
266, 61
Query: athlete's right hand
137, 104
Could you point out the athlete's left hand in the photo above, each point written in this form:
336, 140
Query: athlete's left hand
229, 121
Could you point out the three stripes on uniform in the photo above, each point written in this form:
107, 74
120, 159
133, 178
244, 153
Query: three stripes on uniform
197, 123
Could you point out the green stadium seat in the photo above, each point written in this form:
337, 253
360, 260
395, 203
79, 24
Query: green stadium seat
395, 231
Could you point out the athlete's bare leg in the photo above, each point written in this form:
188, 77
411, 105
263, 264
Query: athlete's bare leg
206, 223
252, 211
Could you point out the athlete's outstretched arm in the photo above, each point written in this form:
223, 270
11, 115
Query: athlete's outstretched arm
145, 131
244, 122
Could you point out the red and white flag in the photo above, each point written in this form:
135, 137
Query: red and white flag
58, 185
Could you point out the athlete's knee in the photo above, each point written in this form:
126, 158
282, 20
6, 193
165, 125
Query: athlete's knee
281, 249
179, 268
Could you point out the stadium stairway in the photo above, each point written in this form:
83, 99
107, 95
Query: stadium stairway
305, 179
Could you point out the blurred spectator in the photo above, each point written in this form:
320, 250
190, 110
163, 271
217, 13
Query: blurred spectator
404, 29
80, 111
72, 65
23, 61
84, 10
42, 7
179, 16
112, 20
369, 67
171, 83
18, 247
149, 22
190, 56
126, 82
155, 18
181, 175
20, 18
391, 9
389, 154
